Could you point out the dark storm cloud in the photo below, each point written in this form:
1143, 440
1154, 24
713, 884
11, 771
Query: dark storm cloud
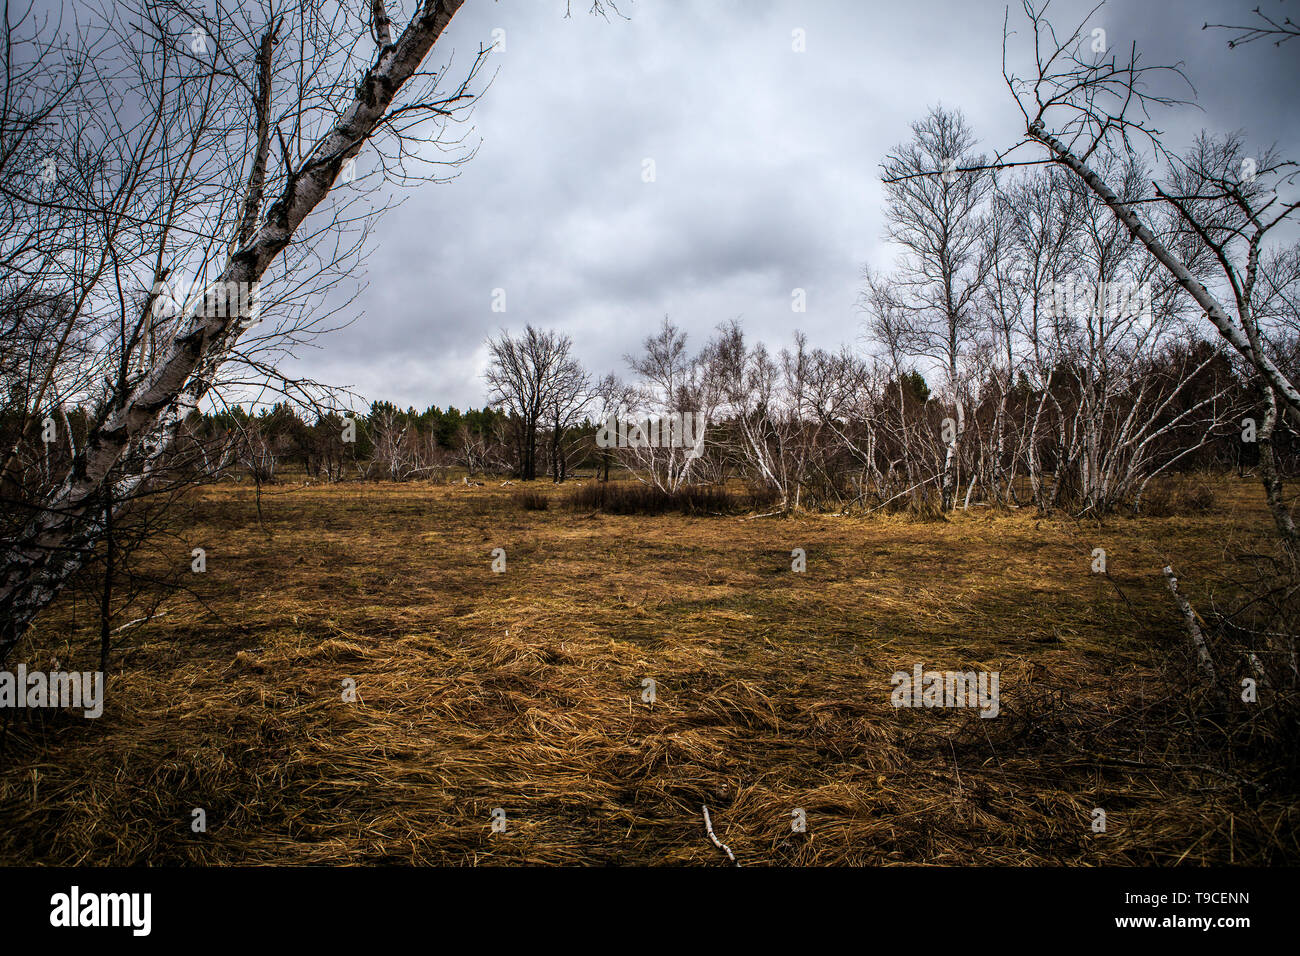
766, 165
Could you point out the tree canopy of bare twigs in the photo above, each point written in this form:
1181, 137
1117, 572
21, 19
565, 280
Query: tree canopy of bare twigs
180, 185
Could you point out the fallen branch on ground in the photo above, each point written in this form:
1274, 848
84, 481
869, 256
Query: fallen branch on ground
1203, 659
708, 827
140, 620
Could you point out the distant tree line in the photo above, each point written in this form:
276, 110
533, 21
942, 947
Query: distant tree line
833, 429
384, 443
818, 429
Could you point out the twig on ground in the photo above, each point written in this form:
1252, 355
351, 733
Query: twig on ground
708, 827
140, 620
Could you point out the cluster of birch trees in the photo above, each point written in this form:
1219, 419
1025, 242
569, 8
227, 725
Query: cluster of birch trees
1024, 349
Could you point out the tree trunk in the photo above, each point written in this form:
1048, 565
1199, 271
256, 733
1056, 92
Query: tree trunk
35, 567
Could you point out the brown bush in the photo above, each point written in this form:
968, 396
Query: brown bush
530, 500
1157, 501
1196, 499
625, 498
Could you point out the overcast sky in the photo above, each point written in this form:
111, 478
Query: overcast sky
765, 160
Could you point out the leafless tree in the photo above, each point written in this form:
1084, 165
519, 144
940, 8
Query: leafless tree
197, 155
569, 396
1034, 243
610, 398
674, 391
535, 379
936, 194
1082, 104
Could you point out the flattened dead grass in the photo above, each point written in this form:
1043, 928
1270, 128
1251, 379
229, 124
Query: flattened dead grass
523, 691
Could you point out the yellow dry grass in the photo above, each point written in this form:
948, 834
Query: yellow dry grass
523, 691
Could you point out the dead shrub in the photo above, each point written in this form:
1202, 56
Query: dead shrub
530, 500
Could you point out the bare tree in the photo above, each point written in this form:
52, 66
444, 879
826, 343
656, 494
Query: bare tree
1034, 243
935, 196
676, 396
1080, 103
190, 143
533, 376
569, 395
611, 397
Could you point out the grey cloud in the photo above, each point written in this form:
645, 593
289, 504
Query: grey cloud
766, 160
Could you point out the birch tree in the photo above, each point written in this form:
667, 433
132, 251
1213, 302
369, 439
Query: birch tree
188, 142
935, 193
676, 395
1082, 101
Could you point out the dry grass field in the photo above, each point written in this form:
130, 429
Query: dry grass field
523, 691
